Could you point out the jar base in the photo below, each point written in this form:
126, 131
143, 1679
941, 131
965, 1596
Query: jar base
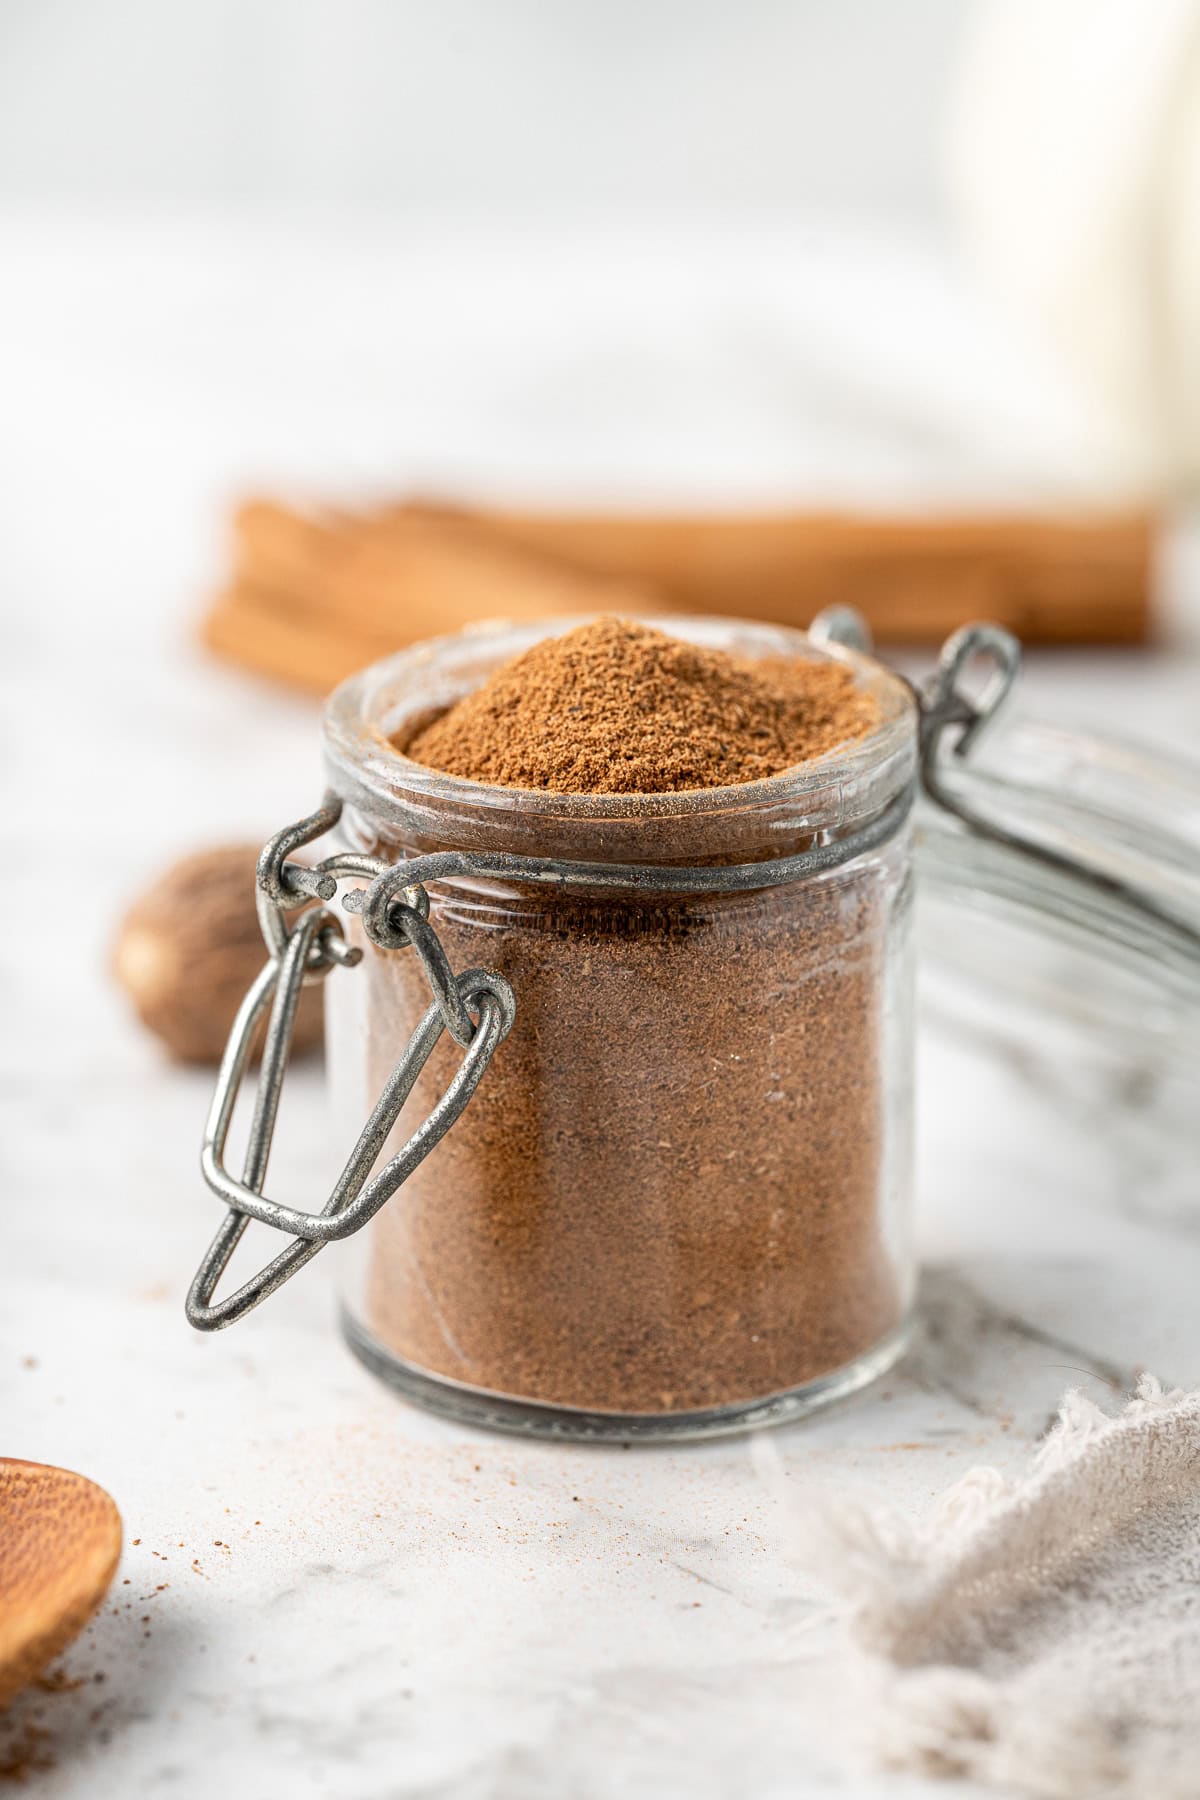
536, 1419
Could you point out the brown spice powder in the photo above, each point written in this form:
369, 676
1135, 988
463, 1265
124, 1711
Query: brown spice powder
670, 1191
615, 707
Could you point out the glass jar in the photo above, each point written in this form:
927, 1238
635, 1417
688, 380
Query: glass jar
653, 1174
680, 1199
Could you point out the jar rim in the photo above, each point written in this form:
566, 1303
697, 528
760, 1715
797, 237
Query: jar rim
833, 793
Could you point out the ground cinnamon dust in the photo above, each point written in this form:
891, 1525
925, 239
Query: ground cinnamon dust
674, 1189
615, 707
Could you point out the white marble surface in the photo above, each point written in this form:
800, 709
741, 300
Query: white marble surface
323, 1592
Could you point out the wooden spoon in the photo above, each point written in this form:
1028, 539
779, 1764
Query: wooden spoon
60, 1541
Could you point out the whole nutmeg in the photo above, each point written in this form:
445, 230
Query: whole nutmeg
189, 948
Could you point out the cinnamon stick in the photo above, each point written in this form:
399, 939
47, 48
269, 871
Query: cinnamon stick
263, 630
414, 573
315, 595
1050, 579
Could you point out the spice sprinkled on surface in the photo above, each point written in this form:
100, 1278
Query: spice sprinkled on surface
616, 707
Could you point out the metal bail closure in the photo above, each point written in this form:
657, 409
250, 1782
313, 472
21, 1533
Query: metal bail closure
945, 702
308, 951
944, 705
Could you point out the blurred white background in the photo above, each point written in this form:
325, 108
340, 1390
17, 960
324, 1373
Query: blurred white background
474, 111
676, 251
840, 252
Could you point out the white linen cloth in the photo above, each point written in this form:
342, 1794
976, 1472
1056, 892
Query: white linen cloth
1041, 1636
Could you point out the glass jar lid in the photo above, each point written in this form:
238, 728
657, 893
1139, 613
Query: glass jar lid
1104, 929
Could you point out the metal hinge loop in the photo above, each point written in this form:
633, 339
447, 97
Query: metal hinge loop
477, 1008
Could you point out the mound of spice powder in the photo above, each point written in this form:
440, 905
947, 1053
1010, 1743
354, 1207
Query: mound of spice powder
615, 707
681, 1184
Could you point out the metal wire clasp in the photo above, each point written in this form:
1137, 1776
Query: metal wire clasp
946, 706
477, 1008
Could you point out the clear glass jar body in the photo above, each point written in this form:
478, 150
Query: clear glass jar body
679, 1200
1081, 991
